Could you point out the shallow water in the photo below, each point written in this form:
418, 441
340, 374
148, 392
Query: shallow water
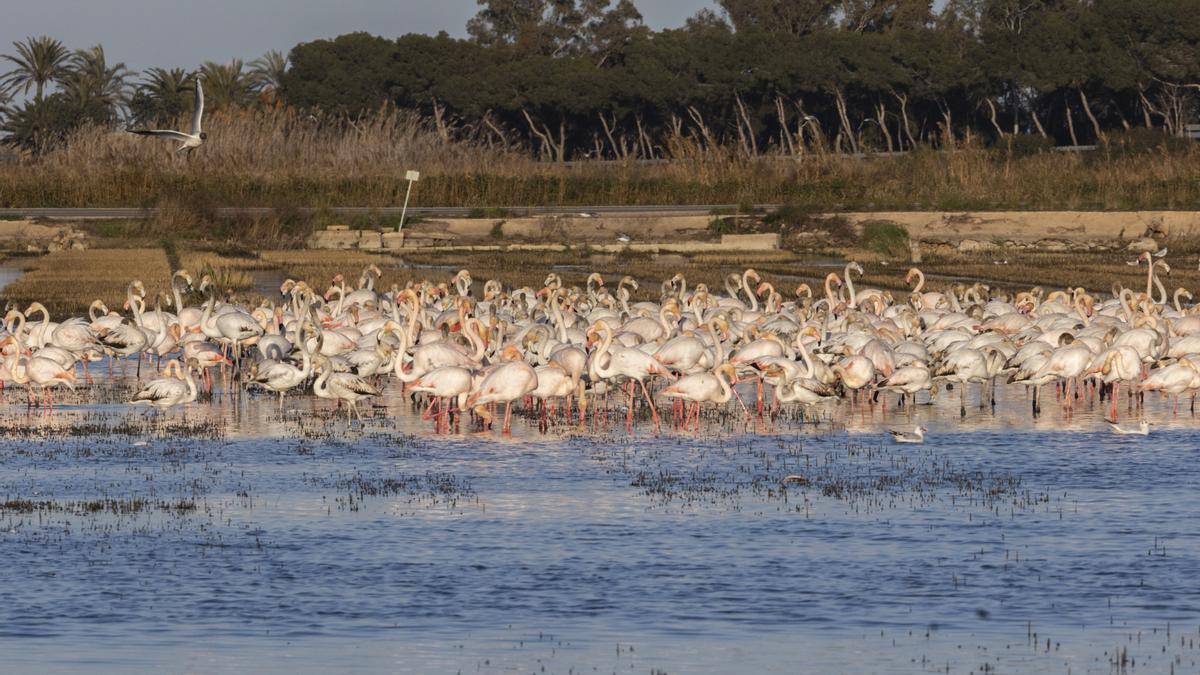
12, 269
233, 537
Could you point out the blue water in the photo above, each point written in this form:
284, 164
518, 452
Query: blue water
300, 542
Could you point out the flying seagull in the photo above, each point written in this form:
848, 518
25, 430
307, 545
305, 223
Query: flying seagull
624, 238
1160, 253
917, 435
190, 141
1143, 429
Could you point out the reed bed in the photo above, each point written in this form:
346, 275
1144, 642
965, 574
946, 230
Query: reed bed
283, 158
317, 268
68, 281
227, 271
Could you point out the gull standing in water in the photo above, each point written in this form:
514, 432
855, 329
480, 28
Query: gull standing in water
190, 141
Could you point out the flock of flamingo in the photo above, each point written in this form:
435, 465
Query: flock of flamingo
575, 346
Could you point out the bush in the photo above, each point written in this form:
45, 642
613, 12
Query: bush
1026, 145
885, 238
724, 226
497, 231
800, 228
1143, 141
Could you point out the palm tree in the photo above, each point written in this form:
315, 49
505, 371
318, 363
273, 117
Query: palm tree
92, 79
160, 96
39, 61
268, 72
227, 84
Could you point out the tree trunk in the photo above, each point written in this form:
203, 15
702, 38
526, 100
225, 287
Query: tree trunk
1071, 124
749, 142
619, 151
1087, 109
881, 117
903, 99
785, 136
1037, 121
993, 116
561, 148
487, 121
947, 125
1146, 108
643, 138
546, 143
439, 118
847, 129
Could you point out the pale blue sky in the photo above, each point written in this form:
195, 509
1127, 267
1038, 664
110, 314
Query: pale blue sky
170, 33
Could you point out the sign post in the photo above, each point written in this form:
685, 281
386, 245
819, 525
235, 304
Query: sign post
411, 177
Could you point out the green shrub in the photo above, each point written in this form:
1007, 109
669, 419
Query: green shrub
724, 226
497, 231
885, 238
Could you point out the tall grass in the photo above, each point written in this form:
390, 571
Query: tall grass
284, 158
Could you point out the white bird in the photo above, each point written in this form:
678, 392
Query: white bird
190, 141
917, 435
1134, 263
1143, 429
624, 238
1160, 253
169, 391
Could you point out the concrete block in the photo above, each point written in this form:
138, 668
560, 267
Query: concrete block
370, 240
334, 239
393, 241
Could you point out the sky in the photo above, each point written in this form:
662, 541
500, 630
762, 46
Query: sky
184, 33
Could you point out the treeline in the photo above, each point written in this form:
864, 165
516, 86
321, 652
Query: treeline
586, 79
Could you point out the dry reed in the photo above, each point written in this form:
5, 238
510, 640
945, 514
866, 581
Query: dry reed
283, 158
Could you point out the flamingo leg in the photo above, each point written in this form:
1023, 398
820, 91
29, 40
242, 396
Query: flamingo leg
739, 398
629, 410
650, 402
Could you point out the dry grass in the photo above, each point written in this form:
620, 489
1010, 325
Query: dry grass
285, 159
317, 268
68, 281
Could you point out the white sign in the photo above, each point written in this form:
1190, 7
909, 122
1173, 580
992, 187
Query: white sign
412, 175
